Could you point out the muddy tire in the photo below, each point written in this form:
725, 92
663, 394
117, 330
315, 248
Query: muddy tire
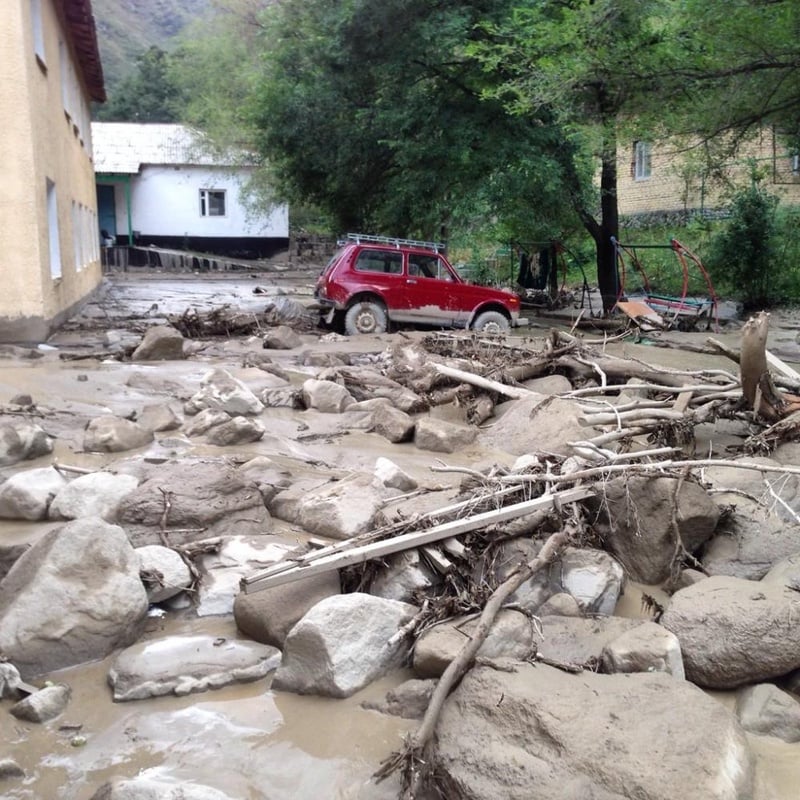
491, 322
366, 316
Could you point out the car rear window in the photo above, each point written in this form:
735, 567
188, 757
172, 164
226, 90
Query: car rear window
379, 261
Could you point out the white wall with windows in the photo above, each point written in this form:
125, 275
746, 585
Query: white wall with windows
194, 201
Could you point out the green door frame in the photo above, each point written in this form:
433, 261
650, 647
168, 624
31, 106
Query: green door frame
125, 180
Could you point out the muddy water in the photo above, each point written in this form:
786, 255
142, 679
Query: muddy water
246, 740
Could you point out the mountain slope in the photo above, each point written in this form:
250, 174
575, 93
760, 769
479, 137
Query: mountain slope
125, 28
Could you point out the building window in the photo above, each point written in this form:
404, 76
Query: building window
38, 30
52, 231
212, 203
641, 160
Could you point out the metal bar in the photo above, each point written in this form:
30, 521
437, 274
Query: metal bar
327, 561
371, 238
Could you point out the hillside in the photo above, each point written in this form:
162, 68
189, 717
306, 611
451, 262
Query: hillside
125, 28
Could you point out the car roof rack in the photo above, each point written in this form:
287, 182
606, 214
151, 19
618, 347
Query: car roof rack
358, 238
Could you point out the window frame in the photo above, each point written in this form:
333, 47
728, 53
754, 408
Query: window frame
206, 204
642, 160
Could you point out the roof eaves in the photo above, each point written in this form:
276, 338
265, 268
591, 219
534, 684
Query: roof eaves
82, 31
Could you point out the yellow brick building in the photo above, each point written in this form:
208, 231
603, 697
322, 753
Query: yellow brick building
663, 179
49, 243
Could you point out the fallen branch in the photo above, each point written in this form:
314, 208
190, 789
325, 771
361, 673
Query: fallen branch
416, 760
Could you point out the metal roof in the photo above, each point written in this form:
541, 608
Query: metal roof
123, 147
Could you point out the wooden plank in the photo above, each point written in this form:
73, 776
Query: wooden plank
322, 549
335, 558
782, 367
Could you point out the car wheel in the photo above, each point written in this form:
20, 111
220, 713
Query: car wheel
365, 316
491, 322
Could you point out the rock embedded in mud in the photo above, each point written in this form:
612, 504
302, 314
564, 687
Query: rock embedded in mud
540, 733
164, 573
646, 648
342, 644
733, 632
220, 390
143, 788
182, 665
409, 700
73, 596
581, 640
239, 430
393, 424
160, 343
281, 337
97, 494
44, 705
28, 494
159, 417
268, 616
110, 434
636, 522
326, 397
441, 436
767, 711
208, 497
206, 420
10, 769
511, 636
339, 511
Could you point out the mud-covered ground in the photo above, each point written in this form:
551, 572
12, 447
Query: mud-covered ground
245, 739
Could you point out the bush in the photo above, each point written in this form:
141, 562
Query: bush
742, 256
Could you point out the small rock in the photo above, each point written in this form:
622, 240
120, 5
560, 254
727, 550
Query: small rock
238, 430
10, 769
43, 705
409, 700
767, 711
160, 343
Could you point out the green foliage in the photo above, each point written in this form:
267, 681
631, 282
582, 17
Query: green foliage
150, 94
742, 255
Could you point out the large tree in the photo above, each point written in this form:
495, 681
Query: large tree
374, 110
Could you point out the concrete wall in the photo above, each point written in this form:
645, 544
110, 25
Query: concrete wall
165, 201
46, 137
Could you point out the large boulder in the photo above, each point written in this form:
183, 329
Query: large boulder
342, 644
28, 494
73, 596
538, 733
160, 343
180, 665
734, 631
207, 497
339, 510
110, 434
268, 615
749, 541
535, 424
97, 494
635, 519
221, 391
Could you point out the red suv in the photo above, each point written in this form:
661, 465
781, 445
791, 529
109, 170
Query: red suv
374, 280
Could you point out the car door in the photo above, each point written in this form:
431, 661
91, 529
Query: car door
428, 292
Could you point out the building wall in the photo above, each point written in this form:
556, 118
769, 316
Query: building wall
675, 187
46, 141
165, 201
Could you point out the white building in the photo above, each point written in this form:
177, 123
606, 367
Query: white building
158, 185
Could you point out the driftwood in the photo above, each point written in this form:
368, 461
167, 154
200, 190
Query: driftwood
416, 760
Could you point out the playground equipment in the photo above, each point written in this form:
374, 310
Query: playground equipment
663, 310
